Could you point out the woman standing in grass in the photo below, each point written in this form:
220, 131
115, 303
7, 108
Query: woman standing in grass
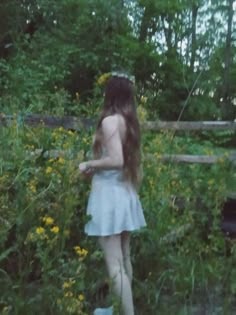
113, 203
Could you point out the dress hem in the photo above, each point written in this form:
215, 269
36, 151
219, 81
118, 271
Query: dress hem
115, 233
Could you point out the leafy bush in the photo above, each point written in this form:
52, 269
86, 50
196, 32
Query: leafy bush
42, 213
183, 252
46, 260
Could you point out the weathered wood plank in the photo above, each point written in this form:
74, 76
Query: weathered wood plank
178, 158
186, 158
189, 125
76, 123
34, 120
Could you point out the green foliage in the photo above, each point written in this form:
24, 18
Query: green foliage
223, 138
67, 44
42, 208
46, 260
57, 50
183, 247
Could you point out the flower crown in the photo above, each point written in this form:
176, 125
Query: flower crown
105, 76
123, 75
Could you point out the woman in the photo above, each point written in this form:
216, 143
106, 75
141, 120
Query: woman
113, 202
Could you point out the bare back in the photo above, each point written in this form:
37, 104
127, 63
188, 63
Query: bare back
113, 136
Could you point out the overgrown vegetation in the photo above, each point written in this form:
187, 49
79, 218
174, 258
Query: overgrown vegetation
51, 50
47, 263
53, 56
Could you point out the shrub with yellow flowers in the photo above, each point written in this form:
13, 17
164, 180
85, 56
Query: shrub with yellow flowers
183, 208
42, 209
46, 260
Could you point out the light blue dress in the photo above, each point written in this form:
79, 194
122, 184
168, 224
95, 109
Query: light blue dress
113, 204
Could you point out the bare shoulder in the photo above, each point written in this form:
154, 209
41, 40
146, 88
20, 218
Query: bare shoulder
113, 123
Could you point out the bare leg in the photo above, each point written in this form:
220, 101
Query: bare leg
111, 246
125, 246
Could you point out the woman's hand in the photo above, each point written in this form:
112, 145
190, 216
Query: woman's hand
85, 169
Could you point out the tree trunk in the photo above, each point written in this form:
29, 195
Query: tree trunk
194, 45
145, 23
227, 60
168, 30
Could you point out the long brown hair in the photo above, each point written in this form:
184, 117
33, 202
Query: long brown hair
119, 99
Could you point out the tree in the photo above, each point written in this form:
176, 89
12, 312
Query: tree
227, 61
60, 47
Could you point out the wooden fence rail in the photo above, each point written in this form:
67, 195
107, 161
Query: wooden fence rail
186, 158
75, 123
177, 158
190, 125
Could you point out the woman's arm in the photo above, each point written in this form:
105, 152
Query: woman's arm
113, 143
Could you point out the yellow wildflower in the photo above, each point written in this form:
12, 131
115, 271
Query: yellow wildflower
40, 230
32, 186
80, 155
28, 146
68, 294
142, 113
48, 220
54, 134
55, 229
80, 251
81, 297
208, 151
68, 284
84, 252
30, 237
61, 160
48, 170
103, 78
66, 145
70, 133
210, 182
143, 99
151, 182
